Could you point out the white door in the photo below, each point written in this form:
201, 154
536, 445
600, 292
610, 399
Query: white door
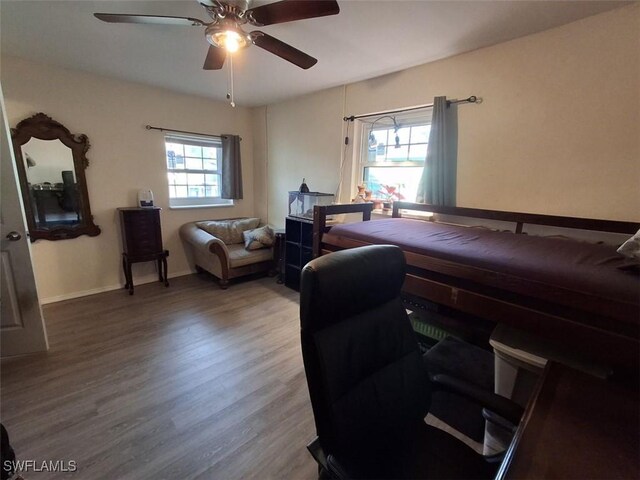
21, 324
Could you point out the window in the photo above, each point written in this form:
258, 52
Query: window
194, 171
394, 165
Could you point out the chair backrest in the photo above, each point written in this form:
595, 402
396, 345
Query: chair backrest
364, 370
67, 177
70, 198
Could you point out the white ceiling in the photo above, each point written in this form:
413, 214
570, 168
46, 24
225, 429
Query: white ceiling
367, 39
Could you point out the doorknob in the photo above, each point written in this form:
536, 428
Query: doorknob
13, 236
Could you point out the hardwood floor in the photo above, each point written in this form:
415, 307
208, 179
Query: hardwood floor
185, 382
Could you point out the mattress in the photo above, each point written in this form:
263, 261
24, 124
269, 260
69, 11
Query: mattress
589, 270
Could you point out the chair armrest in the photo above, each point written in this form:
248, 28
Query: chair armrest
315, 449
336, 470
217, 246
492, 417
504, 407
197, 237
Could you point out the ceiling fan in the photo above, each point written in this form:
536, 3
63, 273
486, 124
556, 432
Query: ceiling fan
225, 32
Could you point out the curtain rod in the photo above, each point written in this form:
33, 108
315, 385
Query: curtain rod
471, 99
172, 130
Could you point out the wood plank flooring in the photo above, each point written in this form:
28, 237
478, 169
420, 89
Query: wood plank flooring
185, 382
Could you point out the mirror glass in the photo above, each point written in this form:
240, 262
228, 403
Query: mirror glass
52, 183
51, 163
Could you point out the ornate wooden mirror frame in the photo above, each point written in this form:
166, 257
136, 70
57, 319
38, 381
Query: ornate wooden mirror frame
43, 127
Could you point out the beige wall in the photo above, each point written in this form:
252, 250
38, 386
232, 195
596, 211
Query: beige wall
558, 131
124, 157
260, 161
303, 141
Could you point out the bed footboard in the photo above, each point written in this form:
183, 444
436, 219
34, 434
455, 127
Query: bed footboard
321, 212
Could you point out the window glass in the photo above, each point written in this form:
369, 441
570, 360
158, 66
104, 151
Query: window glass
210, 164
195, 178
192, 151
193, 163
193, 171
197, 191
180, 178
399, 154
175, 148
381, 180
403, 135
391, 168
420, 133
417, 153
181, 191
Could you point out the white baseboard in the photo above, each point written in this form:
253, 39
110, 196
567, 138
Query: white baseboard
108, 288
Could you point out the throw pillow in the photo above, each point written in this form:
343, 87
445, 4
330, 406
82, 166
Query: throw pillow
229, 231
631, 248
242, 225
258, 238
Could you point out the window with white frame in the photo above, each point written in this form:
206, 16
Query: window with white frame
394, 149
194, 171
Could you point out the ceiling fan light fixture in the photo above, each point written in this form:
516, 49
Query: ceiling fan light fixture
229, 40
225, 32
227, 37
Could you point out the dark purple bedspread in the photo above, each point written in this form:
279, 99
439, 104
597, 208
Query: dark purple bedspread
572, 265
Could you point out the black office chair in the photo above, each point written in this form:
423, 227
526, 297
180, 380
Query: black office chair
69, 200
7, 455
369, 387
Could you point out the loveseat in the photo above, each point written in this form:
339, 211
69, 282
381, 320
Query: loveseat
224, 254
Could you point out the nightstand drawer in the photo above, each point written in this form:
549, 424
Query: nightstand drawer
141, 232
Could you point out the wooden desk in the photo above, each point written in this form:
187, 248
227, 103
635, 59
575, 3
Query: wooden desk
576, 426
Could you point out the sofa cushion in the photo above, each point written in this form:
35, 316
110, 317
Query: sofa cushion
258, 238
239, 256
229, 231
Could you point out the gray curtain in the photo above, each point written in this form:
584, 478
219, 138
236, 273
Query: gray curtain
438, 182
231, 168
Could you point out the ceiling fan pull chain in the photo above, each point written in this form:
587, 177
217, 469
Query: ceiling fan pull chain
230, 93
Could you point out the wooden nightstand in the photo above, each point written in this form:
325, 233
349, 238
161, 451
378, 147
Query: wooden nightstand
142, 241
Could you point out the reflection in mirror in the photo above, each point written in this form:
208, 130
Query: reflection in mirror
51, 163
52, 183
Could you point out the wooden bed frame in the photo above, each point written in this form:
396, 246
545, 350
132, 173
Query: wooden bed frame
608, 337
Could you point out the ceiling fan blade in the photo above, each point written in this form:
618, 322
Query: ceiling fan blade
290, 10
148, 19
282, 50
215, 58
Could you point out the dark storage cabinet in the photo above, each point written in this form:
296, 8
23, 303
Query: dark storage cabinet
142, 241
298, 249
